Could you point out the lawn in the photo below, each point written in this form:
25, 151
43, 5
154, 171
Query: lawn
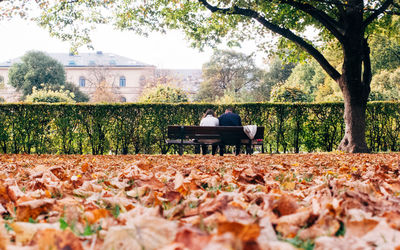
310, 201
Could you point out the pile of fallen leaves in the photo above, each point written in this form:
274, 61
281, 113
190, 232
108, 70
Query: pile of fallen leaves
320, 201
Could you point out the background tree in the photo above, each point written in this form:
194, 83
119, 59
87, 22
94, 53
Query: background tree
349, 23
228, 72
79, 96
102, 83
385, 53
38, 70
289, 94
386, 86
163, 94
278, 73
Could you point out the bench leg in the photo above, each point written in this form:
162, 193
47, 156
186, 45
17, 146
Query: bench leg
197, 149
221, 150
204, 149
214, 149
180, 149
237, 149
249, 149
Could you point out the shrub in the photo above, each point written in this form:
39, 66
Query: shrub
50, 96
142, 128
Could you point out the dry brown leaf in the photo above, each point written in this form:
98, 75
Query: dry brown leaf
25, 231
360, 228
192, 238
93, 216
51, 238
32, 209
249, 232
285, 205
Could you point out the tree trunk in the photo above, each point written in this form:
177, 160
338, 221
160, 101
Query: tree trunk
355, 81
354, 117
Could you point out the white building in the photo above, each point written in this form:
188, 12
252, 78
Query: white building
122, 75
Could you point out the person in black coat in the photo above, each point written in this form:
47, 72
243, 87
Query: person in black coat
230, 119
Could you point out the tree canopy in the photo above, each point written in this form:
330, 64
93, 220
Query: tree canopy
38, 70
228, 73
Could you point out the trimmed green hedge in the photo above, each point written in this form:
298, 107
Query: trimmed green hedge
141, 128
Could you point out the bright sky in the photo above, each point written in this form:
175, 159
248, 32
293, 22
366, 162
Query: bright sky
164, 51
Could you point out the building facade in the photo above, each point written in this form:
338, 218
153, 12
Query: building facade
121, 76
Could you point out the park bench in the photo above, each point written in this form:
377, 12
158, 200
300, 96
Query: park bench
223, 135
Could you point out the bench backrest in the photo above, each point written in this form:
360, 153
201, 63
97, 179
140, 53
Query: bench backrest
230, 133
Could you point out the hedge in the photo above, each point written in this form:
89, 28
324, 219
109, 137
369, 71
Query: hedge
142, 128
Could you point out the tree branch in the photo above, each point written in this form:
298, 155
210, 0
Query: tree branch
331, 24
332, 72
379, 11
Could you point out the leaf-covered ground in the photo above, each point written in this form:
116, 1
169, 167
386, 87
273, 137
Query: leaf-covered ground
320, 201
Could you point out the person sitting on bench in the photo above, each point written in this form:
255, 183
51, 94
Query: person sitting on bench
229, 118
209, 119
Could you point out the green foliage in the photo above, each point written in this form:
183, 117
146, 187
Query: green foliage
36, 70
163, 94
302, 244
385, 86
79, 96
307, 77
50, 96
228, 73
288, 94
385, 53
2, 85
278, 73
142, 128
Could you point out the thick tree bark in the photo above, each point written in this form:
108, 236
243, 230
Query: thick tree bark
354, 117
355, 82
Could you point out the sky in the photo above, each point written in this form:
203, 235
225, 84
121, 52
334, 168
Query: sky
169, 51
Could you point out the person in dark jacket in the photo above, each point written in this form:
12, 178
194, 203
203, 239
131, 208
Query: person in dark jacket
230, 119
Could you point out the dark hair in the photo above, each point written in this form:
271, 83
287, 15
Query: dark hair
209, 112
230, 109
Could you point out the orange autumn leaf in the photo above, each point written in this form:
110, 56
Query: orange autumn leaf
56, 239
93, 216
360, 228
244, 232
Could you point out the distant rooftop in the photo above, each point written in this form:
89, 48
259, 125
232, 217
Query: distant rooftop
88, 60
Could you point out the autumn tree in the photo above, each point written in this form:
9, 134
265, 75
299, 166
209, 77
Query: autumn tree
102, 84
348, 22
228, 72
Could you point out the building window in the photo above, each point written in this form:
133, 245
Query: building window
2, 86
142, 80
71, 63
122, 81
123, 99
82, 81
113, 62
